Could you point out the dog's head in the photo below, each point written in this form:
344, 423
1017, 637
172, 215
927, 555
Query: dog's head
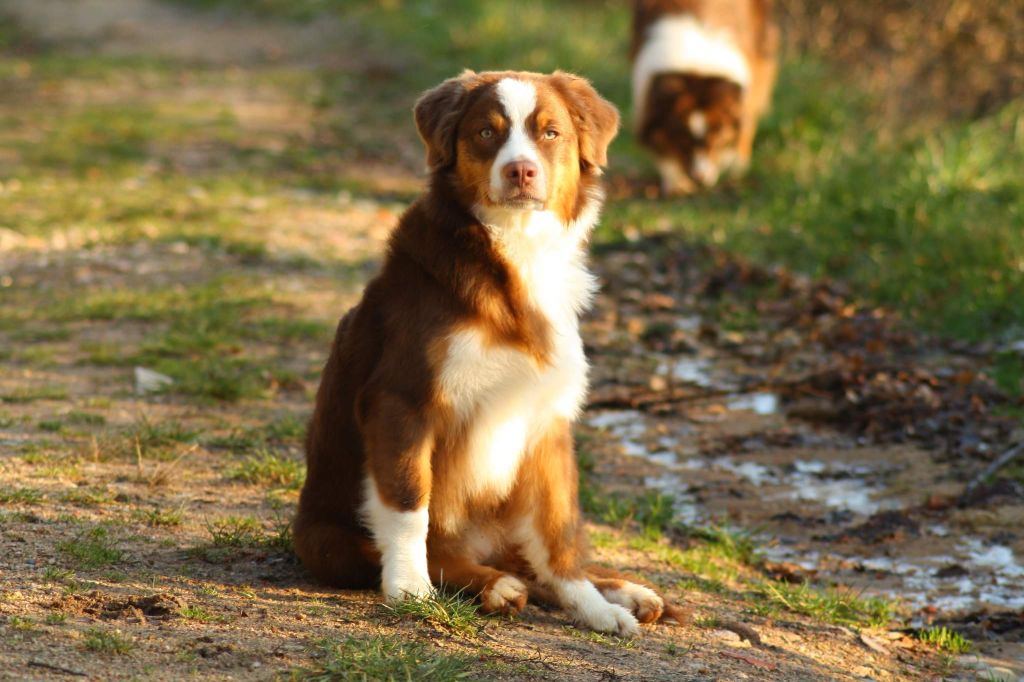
517, 141
693, 124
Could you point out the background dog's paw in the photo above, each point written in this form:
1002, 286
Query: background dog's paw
505, 595
642, 602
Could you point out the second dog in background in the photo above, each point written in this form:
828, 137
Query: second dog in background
703, 73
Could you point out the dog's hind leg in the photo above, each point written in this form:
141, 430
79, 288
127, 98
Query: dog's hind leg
336, 555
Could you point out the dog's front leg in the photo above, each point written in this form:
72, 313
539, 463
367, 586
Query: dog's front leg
550, 534
398, 442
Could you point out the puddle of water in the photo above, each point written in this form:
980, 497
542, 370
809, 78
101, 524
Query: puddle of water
626, 426
991, 574
758, 403
684, 504
691, 324
753, 472
687, 370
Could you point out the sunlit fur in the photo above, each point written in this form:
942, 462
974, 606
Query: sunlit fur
441, 441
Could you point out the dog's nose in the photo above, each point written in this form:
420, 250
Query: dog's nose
520, 173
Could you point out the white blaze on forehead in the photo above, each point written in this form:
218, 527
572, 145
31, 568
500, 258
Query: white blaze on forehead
518, 99
698, 124
682, 44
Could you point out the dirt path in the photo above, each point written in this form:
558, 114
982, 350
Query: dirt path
145, 533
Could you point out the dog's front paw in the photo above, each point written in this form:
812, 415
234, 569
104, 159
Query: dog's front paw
610, 618
592, 610
405, 585
643, 602
505, 595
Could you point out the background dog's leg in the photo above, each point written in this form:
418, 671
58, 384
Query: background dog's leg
397, 491
550, 534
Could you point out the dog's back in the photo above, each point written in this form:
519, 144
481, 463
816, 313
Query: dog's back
703, 72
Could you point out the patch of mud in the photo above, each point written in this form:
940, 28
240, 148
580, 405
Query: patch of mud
138, 608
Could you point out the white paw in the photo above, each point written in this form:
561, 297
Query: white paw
610, 618
506, 595
401, 585
642, 602
589, 608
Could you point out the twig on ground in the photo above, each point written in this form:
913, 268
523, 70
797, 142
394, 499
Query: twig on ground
56, 668
1000, 462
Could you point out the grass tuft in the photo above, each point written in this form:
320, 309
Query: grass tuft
107, 642
158, 517
199, 614
945, 639
383, 658
93, 548
835, 606
20, 496
235, 531
452, 611
270, 469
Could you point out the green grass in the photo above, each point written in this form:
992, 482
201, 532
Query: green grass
87, 497
21, 623
385, 659
158, 517
452, 611
20, 496
199, 614
231, 535
840, 607
1008, 372
107, 641
31, 395
93, 548
287, 429
270, 469
926, 221
945, 640
235, 531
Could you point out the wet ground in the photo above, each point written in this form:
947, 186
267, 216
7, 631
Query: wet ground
881, 511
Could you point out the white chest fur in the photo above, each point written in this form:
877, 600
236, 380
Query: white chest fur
502, 396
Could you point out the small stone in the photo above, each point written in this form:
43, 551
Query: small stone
150, 381
726, 635
970, 662
997, 675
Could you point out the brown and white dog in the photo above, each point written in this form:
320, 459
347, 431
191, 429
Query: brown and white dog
440, 449
703, 73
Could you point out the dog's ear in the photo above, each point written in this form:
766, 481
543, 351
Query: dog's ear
596, 119
438, 112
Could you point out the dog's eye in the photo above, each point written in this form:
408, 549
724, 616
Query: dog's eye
487, 133
550, 134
